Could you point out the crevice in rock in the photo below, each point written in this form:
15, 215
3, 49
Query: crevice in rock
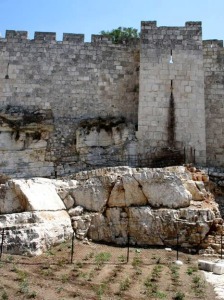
141, 187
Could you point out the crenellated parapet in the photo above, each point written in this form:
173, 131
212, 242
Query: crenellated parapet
71, 38
209, 44
187, 37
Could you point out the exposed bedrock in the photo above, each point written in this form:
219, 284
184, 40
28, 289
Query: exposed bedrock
150, 206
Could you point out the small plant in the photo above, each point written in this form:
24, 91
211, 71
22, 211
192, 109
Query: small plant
4, 296
198, 286
175, 274
22, 275
49, 252
14, 268
61, 262
64, 278
138, 271
100, 290
101, 258
24, 287
179, 296
191, 270
32, 295
59, 289
9, 258
156, 273
124, 285
79, 264
83, 275
137, 261
121, 258
159, 295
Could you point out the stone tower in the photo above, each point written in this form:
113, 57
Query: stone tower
171, 99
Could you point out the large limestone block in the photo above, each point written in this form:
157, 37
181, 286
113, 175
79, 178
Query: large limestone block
148, 226
126, 192
117, 196
206, 265
37, 194
155, 227
133, 191
163, 189
92, 194
32, 233
111, 228
9, 202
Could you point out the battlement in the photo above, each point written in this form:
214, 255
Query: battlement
213, 44
12, 34
185, 37
50, 37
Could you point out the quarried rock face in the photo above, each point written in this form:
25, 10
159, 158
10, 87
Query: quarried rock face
146, 206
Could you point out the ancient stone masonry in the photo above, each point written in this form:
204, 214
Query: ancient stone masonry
98, 98
172, 64
151, 206
214, 100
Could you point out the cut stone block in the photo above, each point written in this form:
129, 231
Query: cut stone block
206, 265
218, 268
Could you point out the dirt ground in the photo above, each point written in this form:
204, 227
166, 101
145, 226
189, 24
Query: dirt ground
102, 272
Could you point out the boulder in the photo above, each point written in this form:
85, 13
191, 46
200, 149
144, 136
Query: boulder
37, 194
92, 194
32, 233
163, 189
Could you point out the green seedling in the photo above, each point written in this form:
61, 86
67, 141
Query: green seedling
102, 258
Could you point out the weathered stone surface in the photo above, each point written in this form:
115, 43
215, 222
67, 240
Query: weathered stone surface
9, 202
34, 232
81, 225
117, 196
152, 206
37, 194
110, 228
69, 202
77, 211
152, 227
92, 194
163, 189
192, 187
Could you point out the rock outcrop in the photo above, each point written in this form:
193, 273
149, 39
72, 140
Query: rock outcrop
144, 206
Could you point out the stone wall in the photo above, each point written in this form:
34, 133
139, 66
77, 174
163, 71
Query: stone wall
63, 99
74, 80
171, 100
214, 103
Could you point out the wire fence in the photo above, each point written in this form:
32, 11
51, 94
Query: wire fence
78, 253
74, 251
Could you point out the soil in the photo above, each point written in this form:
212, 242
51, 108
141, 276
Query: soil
97, 271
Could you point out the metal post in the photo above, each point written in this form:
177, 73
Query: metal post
72, 250
128, 250
184, 155
2, 242
221, 241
